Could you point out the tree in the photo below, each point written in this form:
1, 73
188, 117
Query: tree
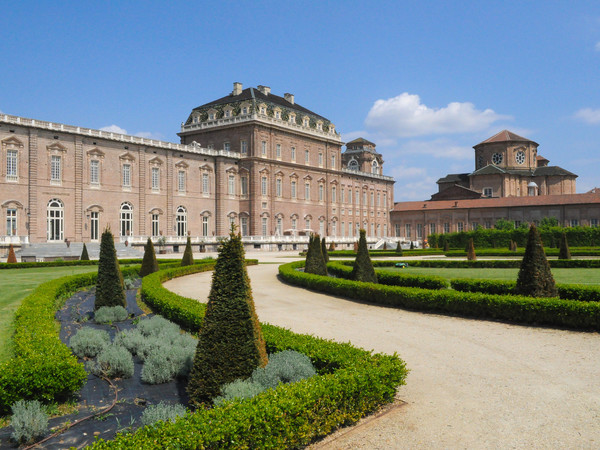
471, 251
12, 258
149, 263
188, 255
324, 250
535, 278
399, 249
548, 222
230, 341
84, 254
564, 252
109, 284
503, 224
315, 263
363, 267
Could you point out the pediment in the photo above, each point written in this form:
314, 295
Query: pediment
96, 153
182, 165
56, 147
127, 156
12, 141
206, 168
156, 161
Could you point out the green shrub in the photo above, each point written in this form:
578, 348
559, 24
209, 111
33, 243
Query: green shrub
230, 341
324, 250
84, 254
114, 361
535, 278
149, 262
363, 268
12, 258
471, 251
564, 247
29, 421
164, 412
109, 285
315, 261
89, 342
188, 255
399, 249
110, 314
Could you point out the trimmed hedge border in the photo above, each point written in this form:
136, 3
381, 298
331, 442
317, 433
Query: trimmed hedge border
43, 368
94, 262
576, 251
381, 253
352, 383
493, 263
510, 308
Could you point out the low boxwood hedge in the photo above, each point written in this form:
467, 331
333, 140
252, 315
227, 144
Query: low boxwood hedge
391, 253
492, 263
352, 383
122, 262
509, 308
576, 251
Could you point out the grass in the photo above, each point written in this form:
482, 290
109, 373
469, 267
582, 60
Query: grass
16, 285
562, 276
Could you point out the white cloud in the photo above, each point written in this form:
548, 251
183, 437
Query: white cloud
588, 115
415, 190
405, 116
438, 148
114, 129
399, 172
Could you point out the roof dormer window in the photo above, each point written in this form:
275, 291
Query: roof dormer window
263, 109
305, 121
278, 114
212, 114
245, 110
319, 125
292, 118
353, 164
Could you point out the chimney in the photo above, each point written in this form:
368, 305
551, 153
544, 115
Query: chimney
237, 88
289, 97
264, 89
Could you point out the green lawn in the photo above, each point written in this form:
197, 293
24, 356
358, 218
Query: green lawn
563, 276
16, 285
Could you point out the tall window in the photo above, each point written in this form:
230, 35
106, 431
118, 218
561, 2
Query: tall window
307, 191
279, 226
594, 223
349, 229
264, 148
350, 196
321, 227
378, 199
333, 194
55, 168
306, 156
126, 176
294, 223
385, 199
343, 193
244, 185
126, 219
11, 165
397, 229
181, 181
407, 230
204, 226
460, 227
375, 167
278, 151
334, 228
264, 226
432, 228
353, 164
226, 146
293, 154
293, 189
244, 147
94, 225
278, 189
181, 221
365, 199
55, 220
244, 225
263, 186
231, 185
320, 192
94, 171
11, 222
205, 184
155, 178
320, 159
372, 199
155, 225
307, 224
446, 227
333, 163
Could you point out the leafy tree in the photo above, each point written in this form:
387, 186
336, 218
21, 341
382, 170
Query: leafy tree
315, 263
149, 263
471, 251
399, 249
230, 341
535, 278
363, 267
12, 258
503, 224
84, 254
188, 255
109, 284
564, 252
548, 222
324, 250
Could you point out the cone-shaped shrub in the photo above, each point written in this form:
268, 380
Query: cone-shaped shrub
446, 246
12, 258
149, 263
535, 278
331, 246
471, 251
564, 252
109, 285
84, 254
188, 256
399, 249
355, 247
385, 245
363, 267
324, 250
315, 263
230, 342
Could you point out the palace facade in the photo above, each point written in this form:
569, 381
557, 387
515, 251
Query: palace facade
254, 159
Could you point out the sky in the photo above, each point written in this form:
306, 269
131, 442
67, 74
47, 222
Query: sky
424, 80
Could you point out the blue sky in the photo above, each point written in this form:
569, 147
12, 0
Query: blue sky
424, 80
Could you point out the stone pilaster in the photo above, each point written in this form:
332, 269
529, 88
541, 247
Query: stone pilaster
170, 193
33, 185
78, 183
142, 215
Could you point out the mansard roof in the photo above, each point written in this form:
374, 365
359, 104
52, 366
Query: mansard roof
552, 170
252, 94
362, 141
505, 136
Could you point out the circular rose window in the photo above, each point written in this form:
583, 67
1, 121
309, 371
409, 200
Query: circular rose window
497, 158
520, 157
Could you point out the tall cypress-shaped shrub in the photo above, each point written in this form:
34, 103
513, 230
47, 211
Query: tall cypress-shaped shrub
149, 263
324, 250
230, 342
12, 258
399, 249
363, 267
188, 255
471, 251
446, 246
84, 254
355, 247
109, 285
535, 278
564, 252
315, 263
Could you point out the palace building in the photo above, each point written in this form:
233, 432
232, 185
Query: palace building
252, 158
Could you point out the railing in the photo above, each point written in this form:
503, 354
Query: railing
275, 239
367, 174
21, 240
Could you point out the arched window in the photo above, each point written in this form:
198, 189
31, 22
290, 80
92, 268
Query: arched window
55, 220
126, 219
353, 164
375, 167
181, 221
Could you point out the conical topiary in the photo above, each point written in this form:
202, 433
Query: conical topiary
399, 249
363, 267
84, 254
535, 278
412, 245
385, 246
109, 285
355, 247
331, 246
149, 263
188, 255
315, 263
471, 251
230, 342
324, 250
12, 258
446, 246
564, 252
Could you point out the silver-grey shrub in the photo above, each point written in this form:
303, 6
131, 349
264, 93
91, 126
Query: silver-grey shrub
288, 366
162, 411
89, 342
240, 390
156, 326
132, 340
168, 360
110, 314
114, 361
29, 421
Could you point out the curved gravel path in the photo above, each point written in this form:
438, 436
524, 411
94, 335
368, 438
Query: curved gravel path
473, 384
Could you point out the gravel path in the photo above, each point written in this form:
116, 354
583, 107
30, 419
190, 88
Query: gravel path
473, 384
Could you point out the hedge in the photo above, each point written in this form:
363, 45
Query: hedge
381, 253
122, 262
43, 368
509, 308
578, 251
492, 263
351, 383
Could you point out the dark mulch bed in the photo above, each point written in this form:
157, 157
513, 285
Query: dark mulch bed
133, 395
